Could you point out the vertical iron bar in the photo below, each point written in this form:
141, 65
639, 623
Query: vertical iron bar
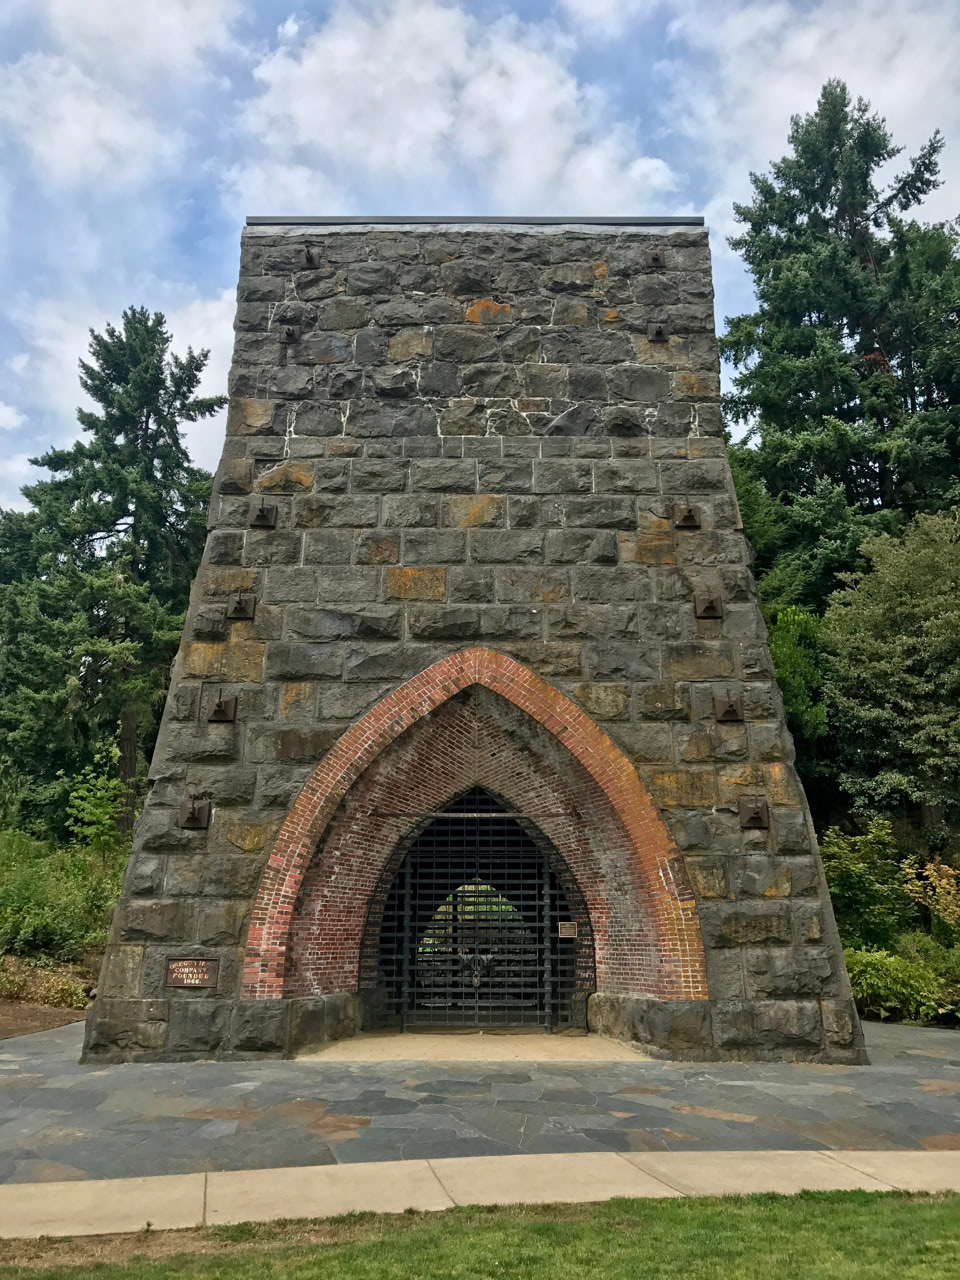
405, 972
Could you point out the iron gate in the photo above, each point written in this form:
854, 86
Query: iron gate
478, 923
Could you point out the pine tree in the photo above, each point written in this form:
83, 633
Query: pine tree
848, 372
94, 578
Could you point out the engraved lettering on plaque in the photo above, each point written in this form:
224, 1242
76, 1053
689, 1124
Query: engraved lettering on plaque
192, 973
567, 929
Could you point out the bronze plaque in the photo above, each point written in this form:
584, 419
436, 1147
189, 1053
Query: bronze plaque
192, 973
567, 929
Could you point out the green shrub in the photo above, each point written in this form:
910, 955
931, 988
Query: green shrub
944, 961
54, 902
870, 900
889, 986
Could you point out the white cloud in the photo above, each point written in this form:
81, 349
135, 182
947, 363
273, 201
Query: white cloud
10, 418
78, 131
425, 102
604, 19
16, 472
137, 37
206, 322
16, 364
761, 62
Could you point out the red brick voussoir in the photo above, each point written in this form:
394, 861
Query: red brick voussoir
673, 915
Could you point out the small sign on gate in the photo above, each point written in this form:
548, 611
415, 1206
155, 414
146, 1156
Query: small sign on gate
200, 972
567, 929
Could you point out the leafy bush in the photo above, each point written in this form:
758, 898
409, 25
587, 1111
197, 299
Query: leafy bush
936, 887
41, 984
870, 899
886, 986
943, 961
55, 902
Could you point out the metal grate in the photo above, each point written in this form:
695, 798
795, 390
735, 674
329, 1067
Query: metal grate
465, 928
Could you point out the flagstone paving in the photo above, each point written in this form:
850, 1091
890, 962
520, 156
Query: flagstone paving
62, 1121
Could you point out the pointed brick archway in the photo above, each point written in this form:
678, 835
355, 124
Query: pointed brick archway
670, 910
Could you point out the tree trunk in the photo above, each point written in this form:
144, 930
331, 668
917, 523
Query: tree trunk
129, 744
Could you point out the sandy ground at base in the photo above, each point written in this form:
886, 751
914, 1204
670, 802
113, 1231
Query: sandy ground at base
477, 1046
19, 1018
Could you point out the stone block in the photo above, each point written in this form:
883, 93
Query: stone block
563, 477
736, 924
434, 546
581, 546
287, 661
604, 701
415, 583
373, 622
260, 1026
119, 1030
120, 975
355, 585
449, 475
222, 924
410, 511
328, 546
771, 973
379, 475
317, 511
197, 1027
443, 622
154, 920
506, 546
709, 877
645, 743
468, 511
620, 661
375, 546
282, 586
471, 585
663, 700
600, 512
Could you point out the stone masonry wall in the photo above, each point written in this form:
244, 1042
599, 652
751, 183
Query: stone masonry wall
442, 436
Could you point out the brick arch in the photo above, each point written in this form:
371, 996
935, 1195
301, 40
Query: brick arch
671, 912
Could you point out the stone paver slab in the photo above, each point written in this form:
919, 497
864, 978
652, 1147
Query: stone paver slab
906, 1170
99, 1206
544, 1179
262, 1195
725, 1173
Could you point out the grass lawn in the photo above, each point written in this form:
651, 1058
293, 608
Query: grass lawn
813, 1236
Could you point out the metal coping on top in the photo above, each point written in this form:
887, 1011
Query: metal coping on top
684, 220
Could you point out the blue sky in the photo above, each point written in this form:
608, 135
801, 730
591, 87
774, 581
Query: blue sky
135, 135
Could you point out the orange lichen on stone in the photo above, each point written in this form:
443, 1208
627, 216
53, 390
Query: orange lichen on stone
654, 544
488, 311
673, 789
291, 476
610, 315
416, 584
600, 270
296, 695
696, 386
466, 510
251, 837
247, 417
230, 661
605, 701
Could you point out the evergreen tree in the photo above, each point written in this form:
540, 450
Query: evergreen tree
892, 671
94, 578
848, 372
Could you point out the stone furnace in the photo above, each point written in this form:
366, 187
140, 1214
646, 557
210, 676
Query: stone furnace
473, 723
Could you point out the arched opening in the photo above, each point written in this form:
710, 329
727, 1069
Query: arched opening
477, 922
474, 718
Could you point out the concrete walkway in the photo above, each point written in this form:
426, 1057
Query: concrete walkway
264, 1195
61, 1122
